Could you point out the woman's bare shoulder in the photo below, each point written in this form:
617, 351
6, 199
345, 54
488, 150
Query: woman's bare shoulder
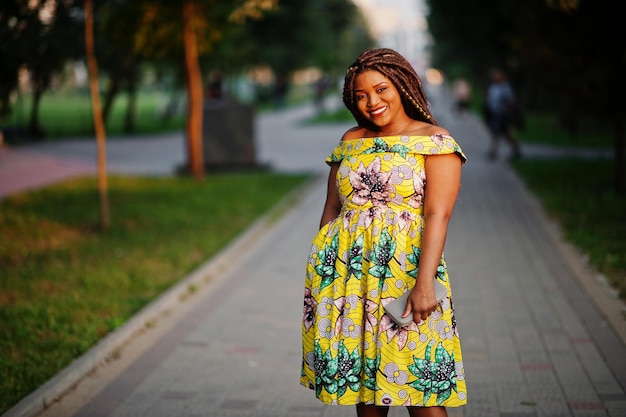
426, 129
356, 132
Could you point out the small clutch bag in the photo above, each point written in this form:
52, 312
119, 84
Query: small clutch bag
395, 308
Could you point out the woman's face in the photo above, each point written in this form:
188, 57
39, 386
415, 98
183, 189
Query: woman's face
377, 99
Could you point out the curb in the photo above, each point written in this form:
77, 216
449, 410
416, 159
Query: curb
107, 349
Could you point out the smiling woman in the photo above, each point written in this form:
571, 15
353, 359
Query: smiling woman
382, 233
381, 66
379, 101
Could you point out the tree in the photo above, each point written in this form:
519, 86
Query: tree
51, 43
194, 87
117, 57
553, 46
582, 65
325, 34
92, 67
472, 36
13, 19
182, 33
39, 36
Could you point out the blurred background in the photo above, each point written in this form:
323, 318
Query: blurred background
564, 58
74, 69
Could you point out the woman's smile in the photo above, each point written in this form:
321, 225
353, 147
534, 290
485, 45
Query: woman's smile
378, 112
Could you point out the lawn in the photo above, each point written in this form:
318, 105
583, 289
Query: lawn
67, 115
64, 285
579, 194
545, 128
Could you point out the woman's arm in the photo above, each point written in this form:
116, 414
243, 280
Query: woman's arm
443, 181
332, 207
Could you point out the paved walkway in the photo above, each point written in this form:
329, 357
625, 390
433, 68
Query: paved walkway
542, 335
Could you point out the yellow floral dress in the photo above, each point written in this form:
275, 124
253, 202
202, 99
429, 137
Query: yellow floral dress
362, 260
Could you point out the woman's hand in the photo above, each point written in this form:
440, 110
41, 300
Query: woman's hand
421, 303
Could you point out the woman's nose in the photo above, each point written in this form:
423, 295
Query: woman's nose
373, 100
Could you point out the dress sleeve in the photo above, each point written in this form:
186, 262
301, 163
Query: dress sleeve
336, 156
438, 145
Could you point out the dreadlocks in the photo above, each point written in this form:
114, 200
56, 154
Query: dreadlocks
400, 72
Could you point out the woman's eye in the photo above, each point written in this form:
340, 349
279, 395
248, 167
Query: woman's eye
381, 89
361, 96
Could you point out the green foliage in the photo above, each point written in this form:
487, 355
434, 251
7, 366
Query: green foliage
472, 34
553, 54
63, 285
578, 192
298, 35
34, 40
131, 34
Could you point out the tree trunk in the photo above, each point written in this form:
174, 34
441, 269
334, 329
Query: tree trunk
98, 122
114, 87
194, 91
131, 109
620, 155
34, 129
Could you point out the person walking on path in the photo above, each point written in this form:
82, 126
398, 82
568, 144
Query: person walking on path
501, 113
382, 233
462, 92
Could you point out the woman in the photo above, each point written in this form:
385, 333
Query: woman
393, 182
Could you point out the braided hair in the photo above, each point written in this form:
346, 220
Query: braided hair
403, 76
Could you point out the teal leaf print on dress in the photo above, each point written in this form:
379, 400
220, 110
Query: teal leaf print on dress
348, 370
370, 370
414, 258
436, 377
325, 371
401, 149
381, 146
382, 254
328, 256
355, 259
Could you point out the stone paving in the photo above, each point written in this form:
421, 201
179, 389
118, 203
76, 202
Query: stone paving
535, 343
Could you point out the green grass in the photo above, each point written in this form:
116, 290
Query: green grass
64, 285
545, 128
578, 193
67, 115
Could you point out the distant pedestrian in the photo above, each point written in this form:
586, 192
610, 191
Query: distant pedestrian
214, 87
501, 113
461, 91
321, 88
382, 234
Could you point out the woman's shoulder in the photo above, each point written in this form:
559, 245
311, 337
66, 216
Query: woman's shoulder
356, 132
427, 129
